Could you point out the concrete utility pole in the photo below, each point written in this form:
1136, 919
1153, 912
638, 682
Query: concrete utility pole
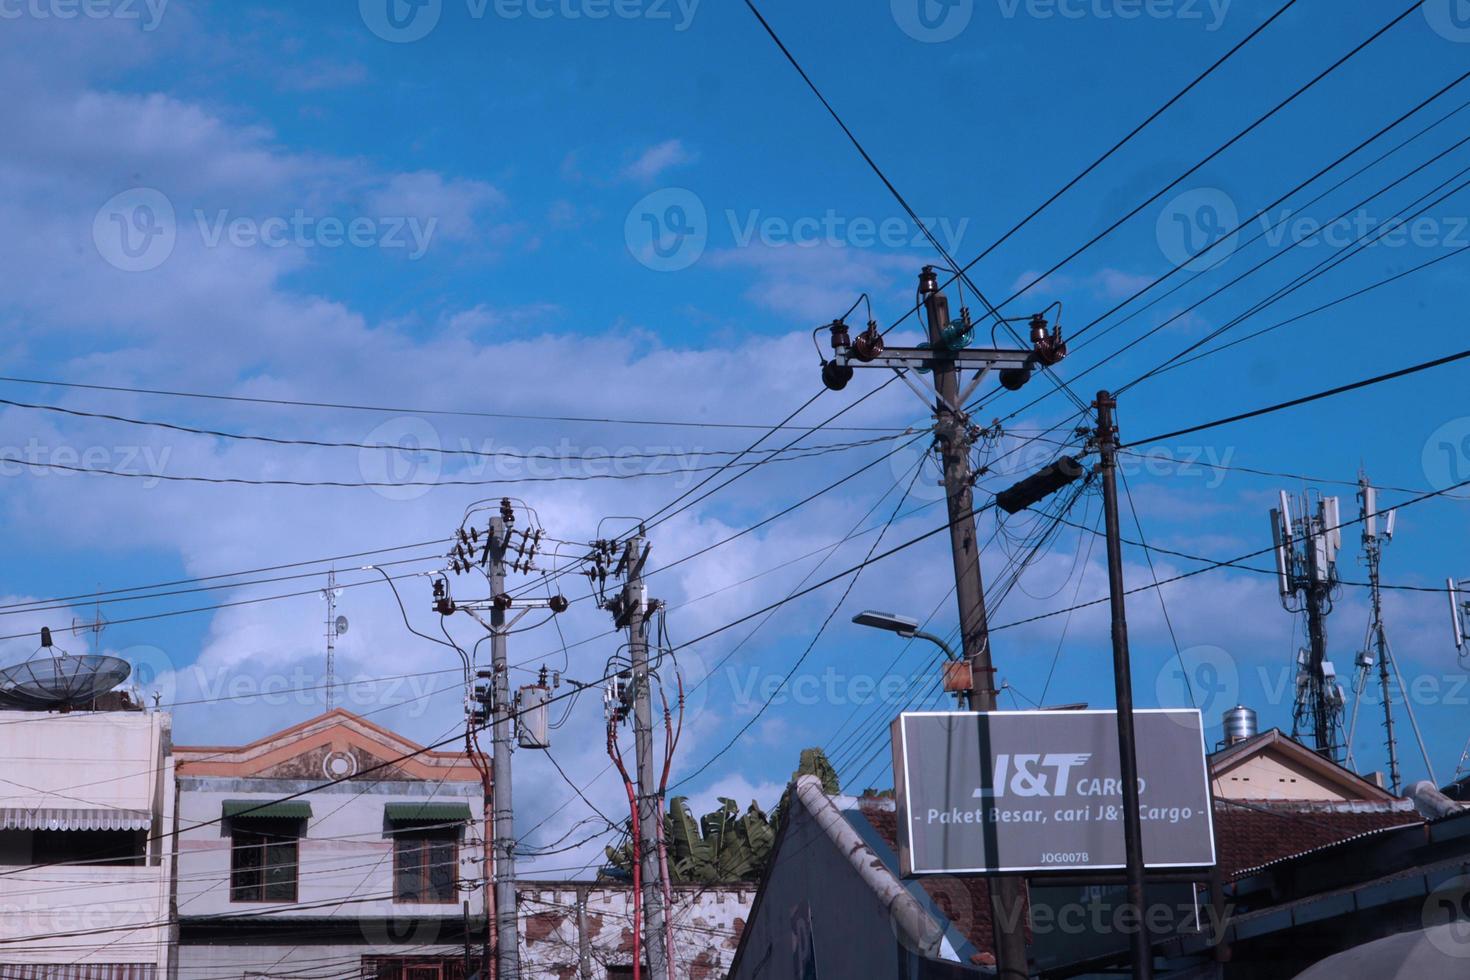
948, 354
630, 610
507, 940
488, 552
1107, 443
952, 432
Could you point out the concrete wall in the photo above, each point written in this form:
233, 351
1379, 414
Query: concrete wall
89, 760
1270, 777
572, 931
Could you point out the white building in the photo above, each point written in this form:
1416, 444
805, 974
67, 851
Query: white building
375, 875
86, 803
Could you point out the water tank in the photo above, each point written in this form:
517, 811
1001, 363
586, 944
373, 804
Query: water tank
1240, 724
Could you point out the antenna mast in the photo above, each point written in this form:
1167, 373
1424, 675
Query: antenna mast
1376, 645
1306, 569
330, 593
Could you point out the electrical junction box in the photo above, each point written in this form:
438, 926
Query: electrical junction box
532, 731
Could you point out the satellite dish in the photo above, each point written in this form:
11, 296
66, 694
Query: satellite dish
341, 625
56, 679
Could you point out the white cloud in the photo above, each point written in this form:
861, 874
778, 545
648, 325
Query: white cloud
653, 161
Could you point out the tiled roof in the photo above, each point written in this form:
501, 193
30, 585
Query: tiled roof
1249, 835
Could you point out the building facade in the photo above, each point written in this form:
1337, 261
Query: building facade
332, 848
86, 862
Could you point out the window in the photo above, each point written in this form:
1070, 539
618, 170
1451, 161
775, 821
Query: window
426, 865
413, 968
70, 846
263, 859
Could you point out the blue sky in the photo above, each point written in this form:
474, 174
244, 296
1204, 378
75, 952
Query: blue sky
318, 208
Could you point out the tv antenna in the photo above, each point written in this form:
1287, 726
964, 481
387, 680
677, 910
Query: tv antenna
95, 626
336, 626
1376, 646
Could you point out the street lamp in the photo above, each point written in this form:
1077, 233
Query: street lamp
903, 626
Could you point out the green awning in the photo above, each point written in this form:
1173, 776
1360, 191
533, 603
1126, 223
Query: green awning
427, 812
268, 810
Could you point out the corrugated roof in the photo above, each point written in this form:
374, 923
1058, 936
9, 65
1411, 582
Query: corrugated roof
267, 810
70, 818
427, 812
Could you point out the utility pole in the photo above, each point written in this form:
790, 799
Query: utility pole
488, 551
1306, 570
1107, 442
507, 941
952, 432
947, 355
630, 610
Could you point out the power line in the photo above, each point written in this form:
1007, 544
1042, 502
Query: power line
402, 410
1212, 246
1279, 406
433, 450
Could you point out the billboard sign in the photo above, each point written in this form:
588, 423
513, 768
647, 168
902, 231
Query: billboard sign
1035, 791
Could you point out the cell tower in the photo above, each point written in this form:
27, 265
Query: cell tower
1306, 570
336, 626
1375, 646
